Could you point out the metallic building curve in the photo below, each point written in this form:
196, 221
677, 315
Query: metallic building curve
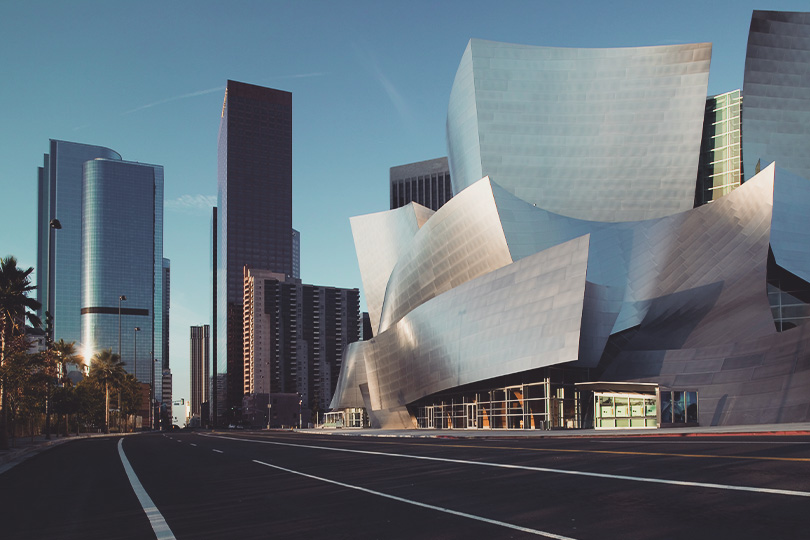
776, 92
598, 134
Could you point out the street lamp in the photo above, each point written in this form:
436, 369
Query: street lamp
152, 397
121, 298
300, 402
269, 407
134, 357
54, 225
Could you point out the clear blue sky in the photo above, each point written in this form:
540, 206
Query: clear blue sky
370, 83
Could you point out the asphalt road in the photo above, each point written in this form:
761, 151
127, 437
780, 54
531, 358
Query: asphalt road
283, 485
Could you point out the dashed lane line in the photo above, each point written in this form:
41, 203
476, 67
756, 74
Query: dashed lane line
420, 504
726, 487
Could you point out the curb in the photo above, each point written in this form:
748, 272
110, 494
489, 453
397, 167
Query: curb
16, 456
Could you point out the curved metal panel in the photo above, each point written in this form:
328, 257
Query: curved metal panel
352, 376
790, 234
599, 134
519, 317
463, 240
379, 240
776, 92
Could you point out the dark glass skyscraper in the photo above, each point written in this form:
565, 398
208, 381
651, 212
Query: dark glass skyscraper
198, 355
425, 182
254, 206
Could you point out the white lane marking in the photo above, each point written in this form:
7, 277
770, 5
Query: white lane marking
540, 469
192, 444
704, 442
420, 504
218, 451
159, 525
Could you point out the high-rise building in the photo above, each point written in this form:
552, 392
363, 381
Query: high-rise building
122, 289
254, 207
296, 250
720, 163
166, 309
106, 266
295, 335
215, 411
60, 197
198, 354
425, 182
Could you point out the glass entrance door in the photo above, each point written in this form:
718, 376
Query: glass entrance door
472, 415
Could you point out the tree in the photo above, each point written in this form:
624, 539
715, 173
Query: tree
15, 309
64, 399
107, 368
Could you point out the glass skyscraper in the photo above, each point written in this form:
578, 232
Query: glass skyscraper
60, 197
720, 164
110, 245
254, 206
122, 255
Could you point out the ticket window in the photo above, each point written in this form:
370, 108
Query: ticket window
624, 411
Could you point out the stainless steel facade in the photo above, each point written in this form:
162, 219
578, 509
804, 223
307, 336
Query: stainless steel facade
776, 92
571, 251
600, 134
688, 284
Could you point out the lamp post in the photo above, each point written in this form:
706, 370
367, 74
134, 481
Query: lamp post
269, 407
152, 397
300, 402
54, 225
121, 298
134, 358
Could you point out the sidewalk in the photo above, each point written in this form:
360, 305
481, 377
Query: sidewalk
24, 448
802, 428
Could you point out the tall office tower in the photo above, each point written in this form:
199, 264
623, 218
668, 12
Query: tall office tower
198, 353
167, 388
295, 335
776, 88
296, 252
60, 197
122, 291
254, 206
425, 182
166, 309
215, 394
720, 164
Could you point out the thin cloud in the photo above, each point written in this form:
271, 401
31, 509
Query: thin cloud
369, 62
202, 93
191, 204
175, 98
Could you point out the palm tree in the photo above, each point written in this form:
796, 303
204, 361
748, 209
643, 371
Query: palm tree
65, 353
107, 367
15, 308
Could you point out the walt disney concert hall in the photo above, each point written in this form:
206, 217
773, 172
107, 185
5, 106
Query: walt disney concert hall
576, 279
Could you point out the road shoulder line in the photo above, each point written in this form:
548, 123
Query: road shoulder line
159, 525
